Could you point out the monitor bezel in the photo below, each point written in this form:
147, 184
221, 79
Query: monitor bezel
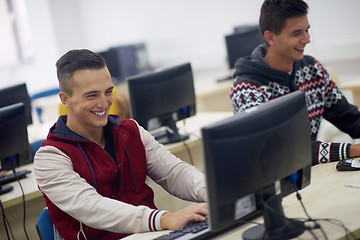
15, 94
171, 99
241, 44
268, 112
15, 149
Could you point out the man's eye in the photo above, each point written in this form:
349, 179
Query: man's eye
91, 96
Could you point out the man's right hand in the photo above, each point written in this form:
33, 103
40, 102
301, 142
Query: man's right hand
178, 219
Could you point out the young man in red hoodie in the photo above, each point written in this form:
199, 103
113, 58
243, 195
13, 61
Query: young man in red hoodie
93, 166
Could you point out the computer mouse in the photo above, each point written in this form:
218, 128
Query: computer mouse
348, 165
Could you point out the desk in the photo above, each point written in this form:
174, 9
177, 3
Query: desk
13, 206
12, 201
354, 87
325, 197
212, 96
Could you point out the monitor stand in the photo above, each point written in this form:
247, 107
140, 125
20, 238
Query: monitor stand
170, 134
276, 225
5, 188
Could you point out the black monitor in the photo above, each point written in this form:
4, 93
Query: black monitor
242, 42
252, 160
161, 98
14, 143
126, 60
15, 94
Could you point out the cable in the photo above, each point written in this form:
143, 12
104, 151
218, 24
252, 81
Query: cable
317, 225
196, 136
189, 133
189, 152
23, 199
310, 219
249, 222
186, 146
309, 229
6, 223
339, 224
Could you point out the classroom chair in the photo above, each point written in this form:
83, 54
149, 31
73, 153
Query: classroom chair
43, 94
44, 226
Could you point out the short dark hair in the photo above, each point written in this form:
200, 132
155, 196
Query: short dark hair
274, 13
73, 61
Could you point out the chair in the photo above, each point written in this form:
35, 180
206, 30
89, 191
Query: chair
44, 226
122, 101
40, 99
34, 146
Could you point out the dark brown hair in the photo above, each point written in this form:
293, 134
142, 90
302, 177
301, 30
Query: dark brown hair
73, 61
274, 13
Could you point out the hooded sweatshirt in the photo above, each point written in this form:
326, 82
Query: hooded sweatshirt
94, 194
256, 83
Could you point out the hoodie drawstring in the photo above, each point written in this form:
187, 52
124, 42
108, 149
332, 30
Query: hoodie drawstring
131, 169
89, 164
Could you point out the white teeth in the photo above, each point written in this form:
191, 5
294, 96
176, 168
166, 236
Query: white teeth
100, 113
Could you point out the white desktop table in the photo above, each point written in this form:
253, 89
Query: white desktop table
325, 197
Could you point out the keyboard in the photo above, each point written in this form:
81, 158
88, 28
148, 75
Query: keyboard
201, 230
13, 177
194, 231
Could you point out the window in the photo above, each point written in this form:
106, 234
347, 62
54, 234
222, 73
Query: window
15, 44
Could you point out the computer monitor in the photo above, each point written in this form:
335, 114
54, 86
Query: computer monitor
15, 94
161, 98
252, 160
126, 60
242, 42
14, 143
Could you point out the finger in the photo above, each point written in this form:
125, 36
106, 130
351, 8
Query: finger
199, 217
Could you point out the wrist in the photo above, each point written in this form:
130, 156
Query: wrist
354, 150
162, 220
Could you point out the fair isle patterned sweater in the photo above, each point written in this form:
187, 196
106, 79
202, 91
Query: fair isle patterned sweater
255, 83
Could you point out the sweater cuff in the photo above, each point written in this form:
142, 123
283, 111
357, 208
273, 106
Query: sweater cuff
153, 221
330, 152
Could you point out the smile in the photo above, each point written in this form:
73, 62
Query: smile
99, 113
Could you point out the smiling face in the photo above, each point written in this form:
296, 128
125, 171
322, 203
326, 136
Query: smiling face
90, 100
288, 46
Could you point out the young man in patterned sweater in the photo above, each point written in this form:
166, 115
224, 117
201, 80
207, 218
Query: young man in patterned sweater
279, 67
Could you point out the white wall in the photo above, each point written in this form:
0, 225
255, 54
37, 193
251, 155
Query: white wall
38, 73
335, 31
175, 31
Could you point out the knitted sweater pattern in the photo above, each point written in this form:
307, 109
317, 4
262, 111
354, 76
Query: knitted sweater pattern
255, 83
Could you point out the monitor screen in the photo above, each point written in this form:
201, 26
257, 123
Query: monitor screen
254, 157
14, 143
126, 60
15, 94
242, 42
161, 98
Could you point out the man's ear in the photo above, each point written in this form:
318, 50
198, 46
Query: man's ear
269, 37
64, 97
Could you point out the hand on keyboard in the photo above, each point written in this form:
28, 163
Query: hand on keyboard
194, 230
180, 218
